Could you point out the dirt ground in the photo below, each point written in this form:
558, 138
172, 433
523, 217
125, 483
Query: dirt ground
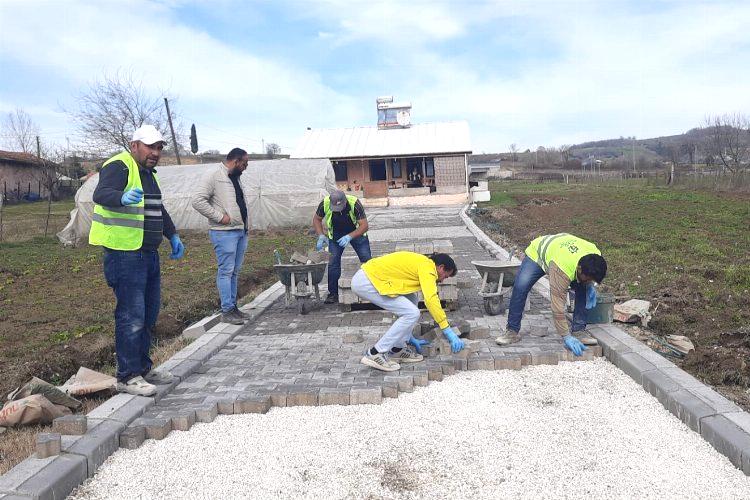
685, 251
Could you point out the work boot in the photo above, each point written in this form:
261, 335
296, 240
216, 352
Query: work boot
585, 337
406, 355
159, 377
241, 313
380, 362
508, 337
331, 299
232, 318
137, 386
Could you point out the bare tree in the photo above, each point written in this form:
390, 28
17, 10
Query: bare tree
728, 140
565, 153
21, 131
112, 108
513, 148
272, 149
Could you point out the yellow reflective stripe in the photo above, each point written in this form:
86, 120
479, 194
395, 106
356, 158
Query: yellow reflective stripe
539, 259
116, 221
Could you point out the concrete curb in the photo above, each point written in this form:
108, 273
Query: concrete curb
55, 477
719, 421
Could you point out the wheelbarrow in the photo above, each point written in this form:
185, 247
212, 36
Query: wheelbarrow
497, 280
301, 280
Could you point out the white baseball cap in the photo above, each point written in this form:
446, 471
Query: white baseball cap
148, 134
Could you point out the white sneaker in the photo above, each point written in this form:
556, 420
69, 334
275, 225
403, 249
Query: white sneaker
508, 337
406, 355
159, 377
137, 386
380, 362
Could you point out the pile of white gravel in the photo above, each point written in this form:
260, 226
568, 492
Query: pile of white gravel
576, 430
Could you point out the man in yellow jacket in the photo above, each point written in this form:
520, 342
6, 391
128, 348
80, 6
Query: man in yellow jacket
391, 282
570, 262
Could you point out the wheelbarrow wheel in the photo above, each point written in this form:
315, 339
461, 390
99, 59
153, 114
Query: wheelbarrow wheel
494, 306
303, 307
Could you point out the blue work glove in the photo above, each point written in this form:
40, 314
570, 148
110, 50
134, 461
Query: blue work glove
590, 297
456, 343
178, 249
132, 197
418, 343
344, 240
322, 241
574, 345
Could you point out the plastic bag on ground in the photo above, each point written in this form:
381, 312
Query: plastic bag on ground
49, 391
34, 409
87, 382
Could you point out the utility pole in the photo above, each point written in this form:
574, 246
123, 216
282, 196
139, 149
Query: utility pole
171, 127
263, 146
38, 148
633, 154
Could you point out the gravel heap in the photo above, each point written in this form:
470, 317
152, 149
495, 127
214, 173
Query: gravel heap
575, 430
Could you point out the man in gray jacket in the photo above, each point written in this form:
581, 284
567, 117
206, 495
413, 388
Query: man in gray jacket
220, 199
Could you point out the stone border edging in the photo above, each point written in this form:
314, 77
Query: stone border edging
719, 421
55, 477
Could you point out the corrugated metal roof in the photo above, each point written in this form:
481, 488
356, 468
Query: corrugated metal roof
356, 142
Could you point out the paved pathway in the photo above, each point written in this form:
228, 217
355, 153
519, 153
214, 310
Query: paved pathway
285, 359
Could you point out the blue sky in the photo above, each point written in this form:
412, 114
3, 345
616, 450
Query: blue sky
533, 73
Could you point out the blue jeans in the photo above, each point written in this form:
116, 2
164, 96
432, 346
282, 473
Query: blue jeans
135, 278
230, 249
361, 245
527, 276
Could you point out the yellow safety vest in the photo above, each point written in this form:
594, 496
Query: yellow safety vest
328, 213
120, 228
563, 249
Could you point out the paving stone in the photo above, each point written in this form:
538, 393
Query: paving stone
302, 397
659, 385
719, 403
206, 412
352, 338
420, 378
333, 396
479, 332
48, 444
545, 358
461, 364
405, 382
51, 478
366, 395
252, 403
132, 437
123, 408
435, 373
100, 440
481, 362
71, 425
448, 369
183, 420
389, 389
634, 366
156, 428
688, 408
727, 438
507, 362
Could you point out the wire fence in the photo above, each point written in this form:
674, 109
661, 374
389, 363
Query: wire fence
28, 220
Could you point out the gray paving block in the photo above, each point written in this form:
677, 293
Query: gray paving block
302, 397
50, 478
545, 358
659, 385
460, 364
719, 403
683, 378
185, 368
365, 395
420, 377
507, 362
448, 368
634, 366
435, 373
352, 338
252, 403
183, 420
132, 437
727, 438
70, 425
100, 441
405, 382
164, 389
123, 408
48, 444
687, 407
479, 332
480, 362
206, 412
390, 389
156, 428
333, 396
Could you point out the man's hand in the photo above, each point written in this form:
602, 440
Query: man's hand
132, 197
456, 343
574, 345
322, 241
418, 343
225, 220
344, 240
178, 249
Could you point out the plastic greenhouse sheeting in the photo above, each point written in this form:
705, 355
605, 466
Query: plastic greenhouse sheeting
278, 193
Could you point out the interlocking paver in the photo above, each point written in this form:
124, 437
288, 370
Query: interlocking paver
286, 359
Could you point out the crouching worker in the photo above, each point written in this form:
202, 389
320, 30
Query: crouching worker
391, 282
570, 262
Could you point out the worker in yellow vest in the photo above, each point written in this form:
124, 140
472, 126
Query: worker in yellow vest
340, 220
391, 282
571, 263
129, 221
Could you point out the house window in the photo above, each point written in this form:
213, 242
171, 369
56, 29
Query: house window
395, 168
339, 168
377, 170
414, 169
429, 167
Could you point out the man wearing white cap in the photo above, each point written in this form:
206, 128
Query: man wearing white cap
340, 220
129, 221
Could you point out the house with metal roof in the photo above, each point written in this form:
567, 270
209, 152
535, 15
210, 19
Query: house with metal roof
395, 160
